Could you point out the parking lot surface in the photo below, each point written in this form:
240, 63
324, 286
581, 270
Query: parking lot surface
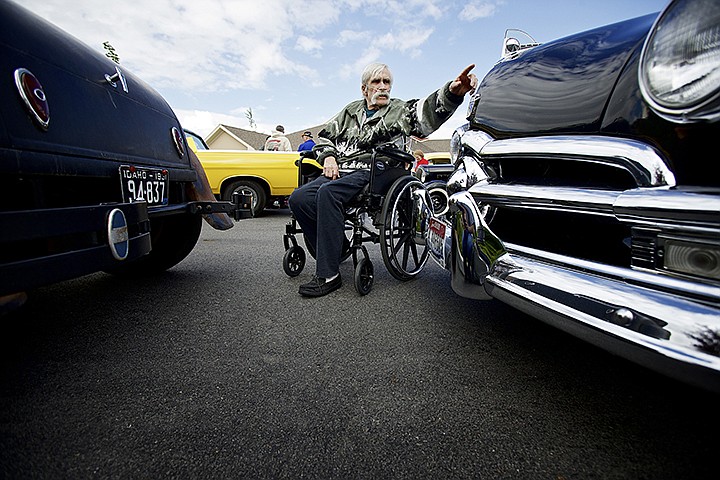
219, 369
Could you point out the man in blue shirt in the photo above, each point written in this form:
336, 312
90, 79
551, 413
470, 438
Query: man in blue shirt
308, 142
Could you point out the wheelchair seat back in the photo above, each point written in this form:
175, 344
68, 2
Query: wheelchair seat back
383, 174
388, 164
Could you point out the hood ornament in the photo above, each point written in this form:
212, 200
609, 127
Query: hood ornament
117, 77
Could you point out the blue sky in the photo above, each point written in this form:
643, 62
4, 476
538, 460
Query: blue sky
298, 62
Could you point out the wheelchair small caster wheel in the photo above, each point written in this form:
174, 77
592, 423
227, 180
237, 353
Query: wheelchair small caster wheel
364, 276
294, 261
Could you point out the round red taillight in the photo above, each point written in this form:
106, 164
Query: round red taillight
33, 95
178, 139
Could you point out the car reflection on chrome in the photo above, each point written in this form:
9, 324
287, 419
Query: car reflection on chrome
586, 189
438, 168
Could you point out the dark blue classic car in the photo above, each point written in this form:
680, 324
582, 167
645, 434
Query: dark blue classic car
95, 172
586, 189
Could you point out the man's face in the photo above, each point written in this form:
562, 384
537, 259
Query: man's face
377, 90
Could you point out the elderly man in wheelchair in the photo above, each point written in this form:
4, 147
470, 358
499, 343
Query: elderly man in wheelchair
367, 139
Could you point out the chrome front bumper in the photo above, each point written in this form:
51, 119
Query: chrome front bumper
667, 324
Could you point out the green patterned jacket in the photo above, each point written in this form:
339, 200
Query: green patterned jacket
350, 131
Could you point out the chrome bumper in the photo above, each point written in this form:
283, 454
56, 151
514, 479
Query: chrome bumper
666, 324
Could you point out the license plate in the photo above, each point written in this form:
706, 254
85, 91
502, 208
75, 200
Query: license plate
144, 185
436, 239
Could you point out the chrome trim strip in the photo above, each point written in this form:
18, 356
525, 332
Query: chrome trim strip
660, 207
704, 292
671, 208
566, 199
642, 161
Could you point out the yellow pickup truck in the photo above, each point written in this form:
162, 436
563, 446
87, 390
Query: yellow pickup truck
266, 176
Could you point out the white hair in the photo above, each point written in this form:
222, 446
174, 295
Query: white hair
374, 70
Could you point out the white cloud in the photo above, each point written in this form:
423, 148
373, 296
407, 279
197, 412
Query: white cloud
479, 9
354, 69
208, 45
204, 122
406, 40
353, 36
403, 10
221, 45
308, 45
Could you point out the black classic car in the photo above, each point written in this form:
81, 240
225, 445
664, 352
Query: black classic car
95, 172
586, 189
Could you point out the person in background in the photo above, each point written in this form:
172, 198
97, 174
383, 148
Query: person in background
308, 142
375, 119
419, 159
277, 141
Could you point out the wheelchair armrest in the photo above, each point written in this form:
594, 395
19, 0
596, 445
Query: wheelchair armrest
307, 160
308, 169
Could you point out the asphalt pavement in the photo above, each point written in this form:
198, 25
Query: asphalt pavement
219, 369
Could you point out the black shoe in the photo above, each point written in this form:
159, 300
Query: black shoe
317, 287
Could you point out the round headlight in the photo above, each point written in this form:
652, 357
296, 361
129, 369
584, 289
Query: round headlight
680, 62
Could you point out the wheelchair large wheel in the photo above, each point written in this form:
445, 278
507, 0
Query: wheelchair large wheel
404, 257
294, 261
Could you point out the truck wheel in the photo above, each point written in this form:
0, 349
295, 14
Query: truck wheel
248, 187
172, 237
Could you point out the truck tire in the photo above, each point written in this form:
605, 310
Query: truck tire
173, 238
259, 199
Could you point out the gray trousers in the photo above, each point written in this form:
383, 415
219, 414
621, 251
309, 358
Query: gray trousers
319, 208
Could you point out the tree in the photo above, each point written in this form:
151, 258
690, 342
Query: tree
251, 120
110, 52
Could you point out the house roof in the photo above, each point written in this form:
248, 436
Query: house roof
250, 138
428, 146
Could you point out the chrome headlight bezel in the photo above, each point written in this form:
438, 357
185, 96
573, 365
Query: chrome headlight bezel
456, 142
679, 72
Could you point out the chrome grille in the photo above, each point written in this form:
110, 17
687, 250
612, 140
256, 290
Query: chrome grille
643, 247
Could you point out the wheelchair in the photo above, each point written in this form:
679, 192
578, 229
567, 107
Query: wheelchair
386, 211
